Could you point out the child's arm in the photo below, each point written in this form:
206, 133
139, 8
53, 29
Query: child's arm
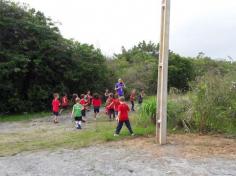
110, 105
124, 85
118, 116
128, 108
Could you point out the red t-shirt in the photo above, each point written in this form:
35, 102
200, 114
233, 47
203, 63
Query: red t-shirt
55, 105
83, 103
108, 103
89, 97
64, 101
132, 97
116, 103
96, 102
123, 109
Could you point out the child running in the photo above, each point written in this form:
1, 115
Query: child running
65, 103
55, 107
140, 97
110, 106
123, 110
88, 98
76, 113
115, 103
84, 103
132, 98
74, 96
96, 101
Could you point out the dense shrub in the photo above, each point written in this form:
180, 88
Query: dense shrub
209, 107
214, 103
35, 61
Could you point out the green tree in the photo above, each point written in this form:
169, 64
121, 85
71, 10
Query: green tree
35, 61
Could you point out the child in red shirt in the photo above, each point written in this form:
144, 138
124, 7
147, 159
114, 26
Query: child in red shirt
110, 106
55, 107
132, 98
64, 103
84, 103
123, 110
88, 98
115, 103
96, 102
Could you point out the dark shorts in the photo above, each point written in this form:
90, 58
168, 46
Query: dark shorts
116, 112
111, 111
96, 109
55, 113
78, 118
83, 112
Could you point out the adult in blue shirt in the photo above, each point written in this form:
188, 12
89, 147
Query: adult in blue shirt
119, 87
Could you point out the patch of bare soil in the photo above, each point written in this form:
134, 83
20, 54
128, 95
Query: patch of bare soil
184, 155
187, 145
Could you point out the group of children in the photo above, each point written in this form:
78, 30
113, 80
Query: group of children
115, 107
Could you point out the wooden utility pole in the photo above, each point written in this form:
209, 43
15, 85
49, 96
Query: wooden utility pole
161, 114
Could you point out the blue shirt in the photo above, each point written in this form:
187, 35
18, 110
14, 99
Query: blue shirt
120, 86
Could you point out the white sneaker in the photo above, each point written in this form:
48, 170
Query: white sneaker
132, 134
116, 134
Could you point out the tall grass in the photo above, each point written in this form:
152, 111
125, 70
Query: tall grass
177, 110
209, 107
214, 103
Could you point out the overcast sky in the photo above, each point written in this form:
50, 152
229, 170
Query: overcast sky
196, 25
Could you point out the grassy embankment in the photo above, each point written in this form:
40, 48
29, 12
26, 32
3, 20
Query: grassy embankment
49, 136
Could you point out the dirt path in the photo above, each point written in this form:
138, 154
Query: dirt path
117, 158
183, 155
39, 123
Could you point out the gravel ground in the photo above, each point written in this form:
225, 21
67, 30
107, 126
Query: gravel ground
184, 155
110, 159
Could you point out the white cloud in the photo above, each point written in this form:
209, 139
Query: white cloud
196, 25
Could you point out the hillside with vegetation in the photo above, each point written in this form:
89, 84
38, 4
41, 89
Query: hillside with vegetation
35, 61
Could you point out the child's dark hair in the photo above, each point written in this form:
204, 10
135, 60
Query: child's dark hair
95, 96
